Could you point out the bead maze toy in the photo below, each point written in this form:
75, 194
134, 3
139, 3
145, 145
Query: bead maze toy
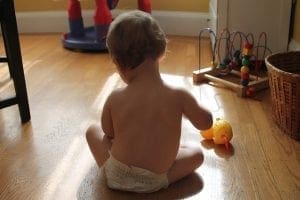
236, 62
92, 38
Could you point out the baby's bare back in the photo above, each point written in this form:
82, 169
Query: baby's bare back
147, 124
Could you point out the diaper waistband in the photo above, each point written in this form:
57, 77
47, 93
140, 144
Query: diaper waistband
137, 170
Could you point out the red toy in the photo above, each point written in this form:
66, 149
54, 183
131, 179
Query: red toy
92, 38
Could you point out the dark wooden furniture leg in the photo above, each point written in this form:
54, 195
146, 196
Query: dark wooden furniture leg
14, 59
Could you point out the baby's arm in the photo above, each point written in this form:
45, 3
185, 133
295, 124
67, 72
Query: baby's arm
106, 120
199, 116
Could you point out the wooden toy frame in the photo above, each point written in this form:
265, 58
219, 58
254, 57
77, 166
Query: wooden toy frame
209, 74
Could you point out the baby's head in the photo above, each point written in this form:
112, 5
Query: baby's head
133, 37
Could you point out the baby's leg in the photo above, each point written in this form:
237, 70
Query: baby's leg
189, 158
99, 143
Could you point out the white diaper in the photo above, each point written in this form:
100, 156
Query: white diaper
129, 178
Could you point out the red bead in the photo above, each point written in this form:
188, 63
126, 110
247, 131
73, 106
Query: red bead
245, 76
248, 45
250, 92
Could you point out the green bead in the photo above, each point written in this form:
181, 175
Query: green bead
221, 66
245, 62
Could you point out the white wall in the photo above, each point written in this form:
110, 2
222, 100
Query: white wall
173, 22
256, 16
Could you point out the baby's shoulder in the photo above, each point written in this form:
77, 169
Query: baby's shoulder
177, 91
180, 95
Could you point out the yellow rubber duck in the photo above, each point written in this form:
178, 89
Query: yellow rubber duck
220, 132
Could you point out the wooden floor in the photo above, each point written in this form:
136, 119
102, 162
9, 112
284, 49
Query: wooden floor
49, 158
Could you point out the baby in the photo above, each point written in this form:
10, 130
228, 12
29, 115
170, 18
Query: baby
138, 143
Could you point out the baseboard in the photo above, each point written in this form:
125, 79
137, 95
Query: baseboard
173, 22
42, 22
294, 46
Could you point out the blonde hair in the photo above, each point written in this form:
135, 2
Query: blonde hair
134, 36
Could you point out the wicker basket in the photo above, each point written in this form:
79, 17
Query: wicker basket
284, 81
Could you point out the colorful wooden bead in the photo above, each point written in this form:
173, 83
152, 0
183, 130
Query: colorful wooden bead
245, 61
244, 82
245, 69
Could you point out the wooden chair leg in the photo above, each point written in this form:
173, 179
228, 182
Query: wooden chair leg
13, 53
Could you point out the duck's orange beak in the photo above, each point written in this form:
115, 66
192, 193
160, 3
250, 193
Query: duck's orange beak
226, 142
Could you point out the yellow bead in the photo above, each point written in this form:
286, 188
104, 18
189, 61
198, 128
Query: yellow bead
244, 70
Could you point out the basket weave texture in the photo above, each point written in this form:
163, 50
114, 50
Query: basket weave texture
284, 81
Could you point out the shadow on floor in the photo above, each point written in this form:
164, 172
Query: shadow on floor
93, 187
